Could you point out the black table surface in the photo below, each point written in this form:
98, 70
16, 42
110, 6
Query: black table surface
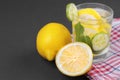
20, 20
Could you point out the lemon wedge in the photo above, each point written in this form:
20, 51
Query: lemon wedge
74, 59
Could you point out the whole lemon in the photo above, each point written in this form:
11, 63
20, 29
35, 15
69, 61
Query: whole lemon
51, 38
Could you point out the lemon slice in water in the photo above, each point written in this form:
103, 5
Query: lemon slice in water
89, 13
91, 20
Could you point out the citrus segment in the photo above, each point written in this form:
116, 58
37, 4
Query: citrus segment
74, 59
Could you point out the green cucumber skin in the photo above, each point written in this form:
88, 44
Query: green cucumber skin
101, 33
98, 34
68, 12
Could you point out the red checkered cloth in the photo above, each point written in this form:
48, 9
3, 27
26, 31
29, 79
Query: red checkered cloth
109, 69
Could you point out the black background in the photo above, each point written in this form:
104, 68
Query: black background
20, 20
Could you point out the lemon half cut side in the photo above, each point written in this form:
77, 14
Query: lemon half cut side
74, 59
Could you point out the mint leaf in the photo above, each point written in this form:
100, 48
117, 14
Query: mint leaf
80, 37
87, 40
79, 29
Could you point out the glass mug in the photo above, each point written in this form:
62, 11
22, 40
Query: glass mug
93, 26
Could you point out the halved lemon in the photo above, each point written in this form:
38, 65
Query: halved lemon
74, 59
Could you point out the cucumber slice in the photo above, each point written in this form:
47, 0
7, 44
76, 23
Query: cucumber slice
71, 11
100, 41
